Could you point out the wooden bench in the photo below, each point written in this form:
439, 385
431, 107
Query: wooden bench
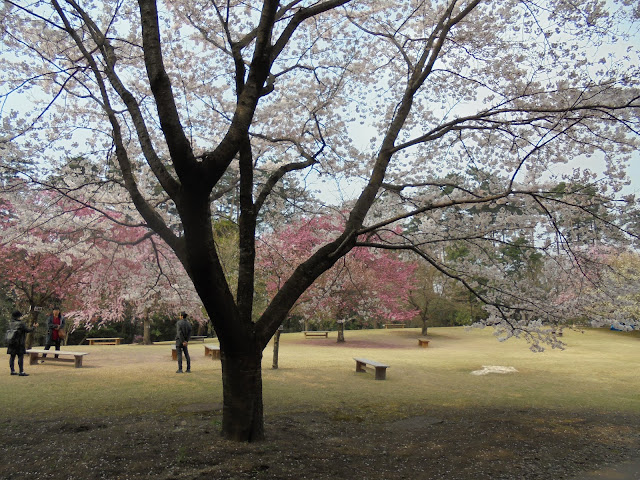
423, 342
174, 352
209, 350
381, 368
394, 325
316, 333
212, 351
35, 354
104, 341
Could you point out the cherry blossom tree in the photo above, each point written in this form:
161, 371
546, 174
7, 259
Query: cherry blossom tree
40, 266
37, 281
607, 294
365, 286
55, 250
175, 104
617, 299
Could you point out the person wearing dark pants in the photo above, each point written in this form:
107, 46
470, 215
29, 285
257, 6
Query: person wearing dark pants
55, 324
15, 347
183, 335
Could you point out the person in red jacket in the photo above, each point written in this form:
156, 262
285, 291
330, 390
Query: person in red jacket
55, 325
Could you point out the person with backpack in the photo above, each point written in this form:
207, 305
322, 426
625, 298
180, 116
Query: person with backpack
15, 337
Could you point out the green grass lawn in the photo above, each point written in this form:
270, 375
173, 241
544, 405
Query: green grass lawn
599, 370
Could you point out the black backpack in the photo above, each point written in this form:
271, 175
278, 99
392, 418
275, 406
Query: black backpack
12, 337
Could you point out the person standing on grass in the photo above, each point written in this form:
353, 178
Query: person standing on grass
55, 325
15, 348
183, 335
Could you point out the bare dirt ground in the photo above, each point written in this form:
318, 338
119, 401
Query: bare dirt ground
451, 444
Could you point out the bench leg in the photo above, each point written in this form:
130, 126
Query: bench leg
78, 361
174, 354
215, 354
33, 358
360, 367
381, 373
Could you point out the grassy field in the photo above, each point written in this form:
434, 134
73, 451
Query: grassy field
126, 414
598, 371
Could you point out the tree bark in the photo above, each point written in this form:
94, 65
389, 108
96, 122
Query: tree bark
276, 349
340, 332
29, 340
146, 331
242, 411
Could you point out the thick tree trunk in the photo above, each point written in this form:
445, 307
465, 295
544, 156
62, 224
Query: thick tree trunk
276, 348
424, 328
340, 331
242, 411
29, 340
146, 331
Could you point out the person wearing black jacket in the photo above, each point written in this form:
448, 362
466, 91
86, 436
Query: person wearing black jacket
17, 348
183, 335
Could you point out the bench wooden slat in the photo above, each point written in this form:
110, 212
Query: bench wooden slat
104, 340
373, 363
316, 333
57, 352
